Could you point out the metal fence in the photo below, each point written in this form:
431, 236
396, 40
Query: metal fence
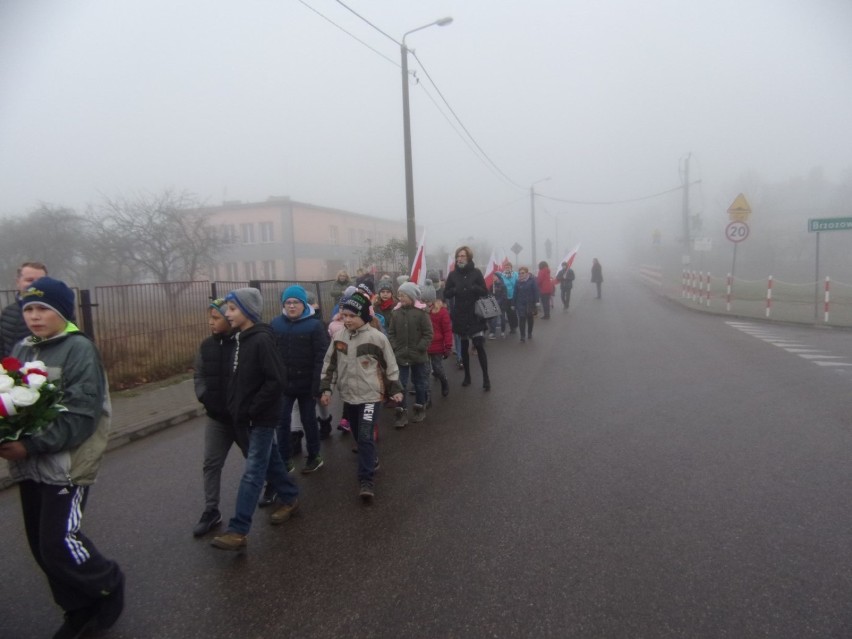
148, 332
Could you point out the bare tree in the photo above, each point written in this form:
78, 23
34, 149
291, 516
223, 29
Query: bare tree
163, 236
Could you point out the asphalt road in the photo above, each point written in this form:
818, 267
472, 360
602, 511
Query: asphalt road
638, 470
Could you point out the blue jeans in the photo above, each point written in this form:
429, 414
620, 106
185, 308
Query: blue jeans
262, 456
363, 418
307, 412
418, 372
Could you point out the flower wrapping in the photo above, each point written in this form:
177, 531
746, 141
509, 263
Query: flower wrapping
29, 401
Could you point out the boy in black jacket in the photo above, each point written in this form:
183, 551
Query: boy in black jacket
254, 401
212, 372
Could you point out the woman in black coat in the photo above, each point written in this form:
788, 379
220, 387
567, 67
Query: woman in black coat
464, 286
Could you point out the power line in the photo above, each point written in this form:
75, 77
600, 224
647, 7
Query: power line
392, 39
351, 35
635, 199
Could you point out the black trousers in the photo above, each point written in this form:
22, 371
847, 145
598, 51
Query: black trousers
77, 573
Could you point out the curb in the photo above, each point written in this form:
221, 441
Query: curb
122, 436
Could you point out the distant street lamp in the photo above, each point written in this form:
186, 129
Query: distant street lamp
534, 264
406, 132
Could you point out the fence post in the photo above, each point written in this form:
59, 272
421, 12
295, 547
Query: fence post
769, 297
86, 313
707, 298
213, 291
682, 283
827, 299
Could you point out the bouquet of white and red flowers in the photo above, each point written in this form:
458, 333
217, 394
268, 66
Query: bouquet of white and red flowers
28, 401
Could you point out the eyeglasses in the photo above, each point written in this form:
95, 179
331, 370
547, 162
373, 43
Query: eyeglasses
292, 303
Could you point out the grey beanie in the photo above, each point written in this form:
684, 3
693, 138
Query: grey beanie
428, 292
411, 289
249, 301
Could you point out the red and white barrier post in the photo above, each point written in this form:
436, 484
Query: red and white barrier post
728, 293
769, 297
827, 300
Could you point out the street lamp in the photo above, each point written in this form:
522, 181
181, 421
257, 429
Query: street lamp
532, 217
406, 133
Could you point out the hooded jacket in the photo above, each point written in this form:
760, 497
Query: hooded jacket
13, 328
258, 379
69, 450
301, 343
362, 365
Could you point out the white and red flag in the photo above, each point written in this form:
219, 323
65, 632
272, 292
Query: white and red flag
570, 257
451, 264
418, 269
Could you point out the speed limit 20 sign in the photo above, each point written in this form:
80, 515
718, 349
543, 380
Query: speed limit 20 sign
736, 231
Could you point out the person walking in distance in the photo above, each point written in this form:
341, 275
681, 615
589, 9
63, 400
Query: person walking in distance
545, 288
565, 277
13, 328
597, 275
254, 402
526, 299
465, 285
509, 278
212, 371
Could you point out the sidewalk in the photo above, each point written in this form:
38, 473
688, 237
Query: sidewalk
140, 412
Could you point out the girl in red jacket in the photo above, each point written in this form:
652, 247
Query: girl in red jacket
442, 338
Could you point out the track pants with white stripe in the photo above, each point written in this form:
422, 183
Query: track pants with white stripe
77, 573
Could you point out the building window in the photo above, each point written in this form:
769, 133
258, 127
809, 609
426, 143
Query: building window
250, 270
269, 270
247, 233
229, 234
266, 235
231, 271
333, 236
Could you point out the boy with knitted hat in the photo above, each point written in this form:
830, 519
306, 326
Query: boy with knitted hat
254, 400
361, 365
55, 467
212, 372
410, 333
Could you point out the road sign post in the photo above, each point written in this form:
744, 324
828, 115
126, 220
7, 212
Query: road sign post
819, 225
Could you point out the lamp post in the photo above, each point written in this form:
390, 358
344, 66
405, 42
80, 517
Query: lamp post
532, 217
406, 134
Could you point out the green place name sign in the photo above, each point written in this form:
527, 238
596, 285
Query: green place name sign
830, 224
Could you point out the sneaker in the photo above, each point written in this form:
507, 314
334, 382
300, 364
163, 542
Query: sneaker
110, 607
291, 466
504, 334
283, 512
230, 541
209, 520
376, 467
523, 340
312, 465
367, 490
269, 494
445, 387
459, 365
77, 623
492, 336
344, 425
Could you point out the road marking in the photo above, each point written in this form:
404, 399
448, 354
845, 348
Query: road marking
816, 355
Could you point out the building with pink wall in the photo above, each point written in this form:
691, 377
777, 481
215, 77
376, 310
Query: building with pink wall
282, 239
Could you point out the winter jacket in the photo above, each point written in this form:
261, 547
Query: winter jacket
526, 296
464, 286
442, 330
69, 450
597, 273
362, 365
545, 282
410, 333
385, 310
565, 277
212, 368
509, 281
302, 344
13, 328
337, 289
258, 378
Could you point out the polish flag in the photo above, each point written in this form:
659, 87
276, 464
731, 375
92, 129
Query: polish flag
451, 264
418, 269
492, 267
570, 257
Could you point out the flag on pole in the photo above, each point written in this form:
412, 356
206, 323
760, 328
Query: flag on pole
491, 268
451, 264
571, 255
418, 269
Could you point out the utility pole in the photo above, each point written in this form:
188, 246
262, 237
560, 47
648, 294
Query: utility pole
686, 243
532, 217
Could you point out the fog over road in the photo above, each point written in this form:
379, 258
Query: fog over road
638, 470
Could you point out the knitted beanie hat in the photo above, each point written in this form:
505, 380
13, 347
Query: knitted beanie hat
295, 292
357, 303
51, 293
410, 289
248, 300
428, 292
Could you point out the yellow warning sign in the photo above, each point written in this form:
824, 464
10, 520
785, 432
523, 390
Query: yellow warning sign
739, 210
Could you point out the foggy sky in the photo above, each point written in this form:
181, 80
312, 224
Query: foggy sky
244, 100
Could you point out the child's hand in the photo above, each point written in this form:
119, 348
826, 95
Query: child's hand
396, 398
13, 451
325, 398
